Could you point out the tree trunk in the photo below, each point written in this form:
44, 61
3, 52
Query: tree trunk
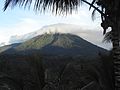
116, 57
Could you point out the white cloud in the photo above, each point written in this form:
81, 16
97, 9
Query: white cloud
25, 25
92, 36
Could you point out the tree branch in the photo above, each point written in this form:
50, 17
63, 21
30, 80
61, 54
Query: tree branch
95, 8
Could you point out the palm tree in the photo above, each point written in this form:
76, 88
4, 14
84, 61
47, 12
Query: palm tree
108, 9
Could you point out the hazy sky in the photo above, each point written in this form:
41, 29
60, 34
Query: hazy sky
18, 21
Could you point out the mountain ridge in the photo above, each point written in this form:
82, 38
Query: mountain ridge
57, 44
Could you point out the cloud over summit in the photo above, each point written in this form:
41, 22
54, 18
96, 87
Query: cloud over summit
94, 36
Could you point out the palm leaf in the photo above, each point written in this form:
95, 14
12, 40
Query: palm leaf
108, 37
54, 5
58, 6
92, 3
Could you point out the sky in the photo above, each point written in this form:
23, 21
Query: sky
19, 21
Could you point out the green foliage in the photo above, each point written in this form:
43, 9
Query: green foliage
35, 62
57, 72
78, 73
27, 70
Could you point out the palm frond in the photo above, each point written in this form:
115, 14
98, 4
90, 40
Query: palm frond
58, 6
92, 4
108, 37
